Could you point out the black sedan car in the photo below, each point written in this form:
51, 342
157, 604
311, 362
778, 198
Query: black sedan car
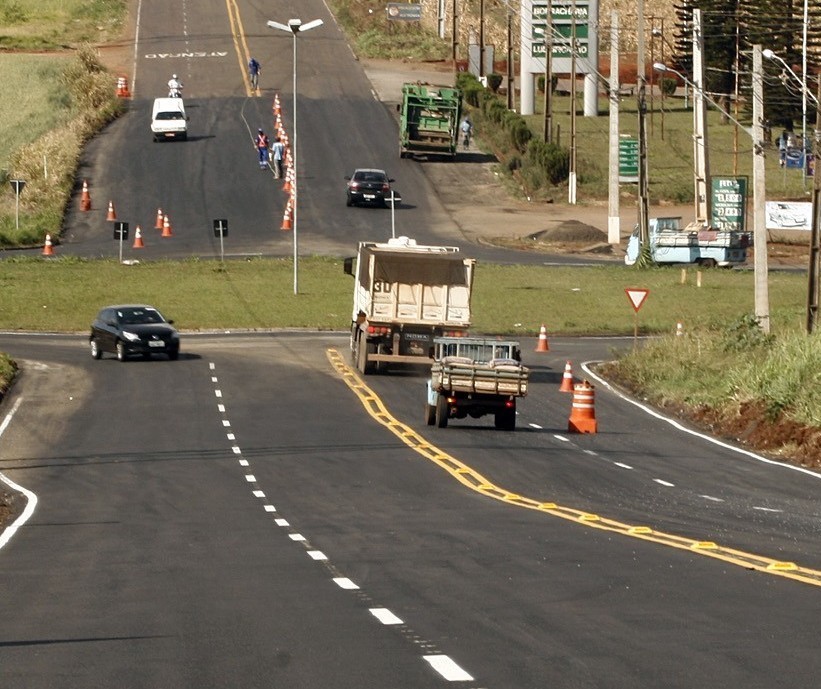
368, 185
133, 329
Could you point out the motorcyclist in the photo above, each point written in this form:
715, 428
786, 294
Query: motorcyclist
174, 87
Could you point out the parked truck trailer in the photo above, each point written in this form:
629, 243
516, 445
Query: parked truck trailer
406, 294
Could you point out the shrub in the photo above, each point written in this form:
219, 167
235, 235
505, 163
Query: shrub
494, 81
520, 134
668, 86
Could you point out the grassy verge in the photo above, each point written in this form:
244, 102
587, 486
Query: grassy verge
58, 24
84, 102
64, 294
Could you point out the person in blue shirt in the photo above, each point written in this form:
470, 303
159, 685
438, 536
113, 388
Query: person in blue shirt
253, 72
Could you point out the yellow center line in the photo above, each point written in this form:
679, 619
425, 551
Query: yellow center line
240, 44
475, 481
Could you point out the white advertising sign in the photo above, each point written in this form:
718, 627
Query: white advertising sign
789, 215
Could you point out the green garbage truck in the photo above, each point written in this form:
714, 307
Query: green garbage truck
429, 120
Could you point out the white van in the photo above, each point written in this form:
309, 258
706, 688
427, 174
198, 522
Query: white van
168, 120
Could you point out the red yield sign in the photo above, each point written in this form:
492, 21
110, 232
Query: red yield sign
636, 296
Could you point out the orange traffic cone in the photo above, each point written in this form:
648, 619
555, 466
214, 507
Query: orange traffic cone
122, 87
166, 227
276, 104
583, 412
138, 239
158, 222
542, 345
112, 214
567, 379
287, 186
85, 199
48, 250
286, 218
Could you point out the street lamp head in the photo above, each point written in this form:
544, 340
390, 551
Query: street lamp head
660, 67
769, 54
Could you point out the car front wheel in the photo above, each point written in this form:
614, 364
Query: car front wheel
94, 346
120, 351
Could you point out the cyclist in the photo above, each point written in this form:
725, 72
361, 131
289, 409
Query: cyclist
467, 130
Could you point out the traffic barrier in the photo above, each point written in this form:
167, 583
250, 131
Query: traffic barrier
48, 249
567, 379
122, 87
85, 198
583, 411
159, 221
112, 214
542, 345
138, 239
166, 227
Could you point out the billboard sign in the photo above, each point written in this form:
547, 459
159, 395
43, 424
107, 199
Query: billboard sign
729, 204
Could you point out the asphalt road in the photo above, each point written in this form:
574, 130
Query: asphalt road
202, 523
340, 125
237, 518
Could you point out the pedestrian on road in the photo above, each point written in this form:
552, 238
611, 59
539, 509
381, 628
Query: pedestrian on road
261, 143
253, 72
467, 130
277, 155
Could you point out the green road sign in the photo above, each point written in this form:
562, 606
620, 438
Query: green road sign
628, 159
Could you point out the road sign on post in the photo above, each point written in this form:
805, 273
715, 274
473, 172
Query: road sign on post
221, 230
636, 295
628, 159
121, 234
17, 185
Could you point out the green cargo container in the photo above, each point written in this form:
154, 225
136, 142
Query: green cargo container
429, 120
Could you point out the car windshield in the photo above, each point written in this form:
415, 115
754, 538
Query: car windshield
370, 177
139, 316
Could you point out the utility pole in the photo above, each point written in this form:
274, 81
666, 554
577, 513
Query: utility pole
700, 152
571, 185
511, 87
814, 286
762, 296
453, 38
613, 220
548, 75
481, 38
643, 191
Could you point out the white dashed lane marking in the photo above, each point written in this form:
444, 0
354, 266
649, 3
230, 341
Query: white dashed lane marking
662, 482
448, 669
442, 664
385, 616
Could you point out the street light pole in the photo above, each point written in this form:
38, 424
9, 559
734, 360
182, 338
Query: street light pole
295, 26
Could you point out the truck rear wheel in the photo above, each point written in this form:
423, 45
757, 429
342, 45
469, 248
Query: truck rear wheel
505, 420
441, 411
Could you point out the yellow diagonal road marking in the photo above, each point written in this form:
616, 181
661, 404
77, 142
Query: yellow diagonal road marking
475, 481
240, 44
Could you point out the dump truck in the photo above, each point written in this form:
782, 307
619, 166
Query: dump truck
672, 243
429, 120
475, 376
406, 294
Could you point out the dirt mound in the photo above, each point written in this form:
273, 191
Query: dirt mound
569, 232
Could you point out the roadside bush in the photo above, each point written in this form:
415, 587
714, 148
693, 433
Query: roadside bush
668, 86
552, 160
520, 134
494, 81
554, 82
